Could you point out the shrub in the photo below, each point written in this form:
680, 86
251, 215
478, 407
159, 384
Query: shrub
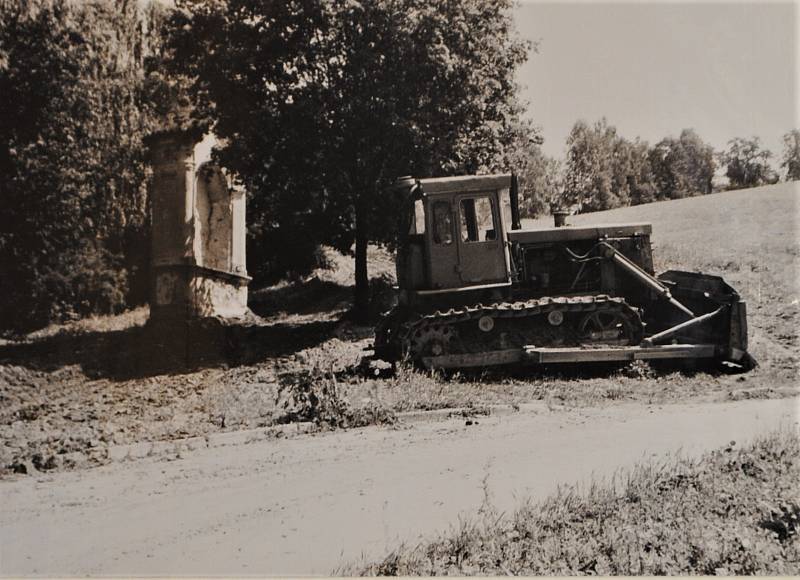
314, 395
71, 158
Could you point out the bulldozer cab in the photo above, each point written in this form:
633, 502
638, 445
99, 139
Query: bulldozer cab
457, 235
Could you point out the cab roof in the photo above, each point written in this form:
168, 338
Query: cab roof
573, 233
466, 183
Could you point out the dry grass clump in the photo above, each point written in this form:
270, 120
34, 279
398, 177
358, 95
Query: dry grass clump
315, 395
410, 389
732, 512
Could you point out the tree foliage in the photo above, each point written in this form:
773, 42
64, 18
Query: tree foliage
588, 177
604, 170
682, 167
540, 176
541, 184
74, 218
747, 163
633, 171
791, 154
324, 102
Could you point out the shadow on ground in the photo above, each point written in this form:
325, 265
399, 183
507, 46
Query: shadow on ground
150, 350
313, 296
172, 348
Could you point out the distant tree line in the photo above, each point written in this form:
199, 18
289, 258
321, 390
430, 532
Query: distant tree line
604, 170
321, 105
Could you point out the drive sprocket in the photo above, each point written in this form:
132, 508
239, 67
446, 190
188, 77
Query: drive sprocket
610, 326
431, 340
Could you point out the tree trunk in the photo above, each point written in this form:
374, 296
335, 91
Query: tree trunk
361, 309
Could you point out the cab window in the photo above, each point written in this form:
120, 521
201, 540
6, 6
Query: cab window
442, 223
477, 220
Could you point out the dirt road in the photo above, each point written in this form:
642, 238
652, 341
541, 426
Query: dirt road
304, 505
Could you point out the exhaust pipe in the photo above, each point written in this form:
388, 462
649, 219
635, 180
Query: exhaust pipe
560, 218
514, 195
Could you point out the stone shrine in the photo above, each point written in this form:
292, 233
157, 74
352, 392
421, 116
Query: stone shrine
198, 265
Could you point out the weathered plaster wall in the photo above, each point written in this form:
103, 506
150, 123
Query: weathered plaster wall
239, 240
214, 297
214, 225
184, 292
172, 198
199, 233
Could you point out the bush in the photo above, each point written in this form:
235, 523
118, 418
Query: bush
71, 158
382, 295
314, 395
83, 281
89, 280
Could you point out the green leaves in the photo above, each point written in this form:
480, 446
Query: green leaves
324, 102
604, 170
71, 156
683, 167
791, 154
591, 167
747, 164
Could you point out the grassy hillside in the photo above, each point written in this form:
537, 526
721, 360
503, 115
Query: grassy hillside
760, 224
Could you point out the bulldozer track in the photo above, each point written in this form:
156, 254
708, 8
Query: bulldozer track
437, 323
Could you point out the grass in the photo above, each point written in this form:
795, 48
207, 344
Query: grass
732, 512
412, 389
315, 395
129, 319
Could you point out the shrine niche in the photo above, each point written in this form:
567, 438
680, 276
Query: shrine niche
198, 232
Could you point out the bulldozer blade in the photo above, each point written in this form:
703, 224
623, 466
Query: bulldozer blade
534, 355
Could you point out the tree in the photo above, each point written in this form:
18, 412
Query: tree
632, 174
747, 164
541, 184
593, 179
791, 154
682, 167
605, 170
540, 176
640, 175
324, 103
73, 187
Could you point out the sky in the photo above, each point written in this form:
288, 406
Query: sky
652, 69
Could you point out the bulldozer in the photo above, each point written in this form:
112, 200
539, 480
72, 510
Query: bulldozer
475, 289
